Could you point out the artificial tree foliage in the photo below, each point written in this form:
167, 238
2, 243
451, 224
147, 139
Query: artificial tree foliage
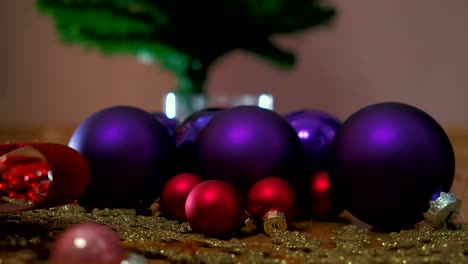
185, 36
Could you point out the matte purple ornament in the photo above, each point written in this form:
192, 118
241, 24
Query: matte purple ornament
186, 136
244, 144
389, 159
130, 155
316, 130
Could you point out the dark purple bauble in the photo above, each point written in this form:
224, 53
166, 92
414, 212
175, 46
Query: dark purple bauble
189, 129
316, 130
130, 155
170, 123
388, 160
186, 135
246, 143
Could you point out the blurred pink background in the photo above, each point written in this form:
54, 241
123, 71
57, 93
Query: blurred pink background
409, 51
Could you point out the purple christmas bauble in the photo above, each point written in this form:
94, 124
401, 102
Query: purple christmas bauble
316, 130
246, 143
186, 135
130, 155
388, 161
188, 130
170, 123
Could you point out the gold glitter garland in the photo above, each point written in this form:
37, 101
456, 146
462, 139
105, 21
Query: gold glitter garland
31, 233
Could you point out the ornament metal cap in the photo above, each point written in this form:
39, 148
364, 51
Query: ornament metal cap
442, 210
274, 221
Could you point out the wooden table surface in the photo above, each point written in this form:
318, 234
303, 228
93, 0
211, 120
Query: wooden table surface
458, 136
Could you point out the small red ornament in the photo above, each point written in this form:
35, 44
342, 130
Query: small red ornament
175, 194
321, 202
272, 193
88, 243
214, 208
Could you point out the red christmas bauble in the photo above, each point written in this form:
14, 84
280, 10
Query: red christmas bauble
272, 193
175, 194
214, 208
322, 203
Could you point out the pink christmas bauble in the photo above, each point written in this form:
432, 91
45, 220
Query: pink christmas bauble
87, 243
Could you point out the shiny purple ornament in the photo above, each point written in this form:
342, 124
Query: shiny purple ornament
170, 123
130, 155
186, 135
316, 130
188, 130
246, 143
388, 161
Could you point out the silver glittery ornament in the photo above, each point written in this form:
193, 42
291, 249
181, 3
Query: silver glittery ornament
443, 210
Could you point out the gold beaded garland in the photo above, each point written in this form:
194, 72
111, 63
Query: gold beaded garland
159, 238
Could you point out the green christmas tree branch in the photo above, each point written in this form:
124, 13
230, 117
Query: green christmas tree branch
184, 36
